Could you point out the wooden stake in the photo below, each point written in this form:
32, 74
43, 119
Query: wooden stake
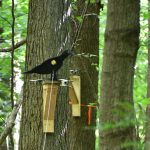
50, 91
75, 95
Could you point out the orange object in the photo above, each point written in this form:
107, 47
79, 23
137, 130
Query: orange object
89, 111
89, 115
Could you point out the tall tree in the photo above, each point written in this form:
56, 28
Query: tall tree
147, 133
47, 32
117, 117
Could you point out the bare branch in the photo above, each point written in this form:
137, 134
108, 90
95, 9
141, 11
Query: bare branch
12, 52
11, 121
17, 45
5, 20
91, 14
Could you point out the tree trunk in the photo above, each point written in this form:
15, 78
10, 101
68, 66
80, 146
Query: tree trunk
83, 135
3, 146
147, 134
47, 32
117, 118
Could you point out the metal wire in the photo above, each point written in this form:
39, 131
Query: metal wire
49, 104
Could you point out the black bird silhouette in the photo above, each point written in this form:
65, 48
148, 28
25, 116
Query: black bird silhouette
51, 66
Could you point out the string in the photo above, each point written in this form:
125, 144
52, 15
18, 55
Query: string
77, 34
49, 104
90, 80
78, 31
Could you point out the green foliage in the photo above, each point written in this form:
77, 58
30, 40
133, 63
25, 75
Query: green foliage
93, 1
79, 18
140, 79
4, 87
21, 12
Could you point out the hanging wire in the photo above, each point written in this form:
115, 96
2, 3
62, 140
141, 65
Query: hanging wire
49, 104
78, 31
77, 34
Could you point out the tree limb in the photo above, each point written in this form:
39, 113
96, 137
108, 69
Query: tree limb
11, 121
5, 20
17, 45
12, 80
12, 53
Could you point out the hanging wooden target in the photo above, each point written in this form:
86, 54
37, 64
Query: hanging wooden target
75, 95
50, 92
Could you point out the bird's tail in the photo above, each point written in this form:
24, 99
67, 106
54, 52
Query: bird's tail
26, 72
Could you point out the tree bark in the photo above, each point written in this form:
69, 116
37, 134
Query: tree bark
117, 118
47, 32
83, 135
147, 133
3, 146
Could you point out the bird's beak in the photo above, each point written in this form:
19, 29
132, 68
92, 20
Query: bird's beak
72, 53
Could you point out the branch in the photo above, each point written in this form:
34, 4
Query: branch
0, 3
91, 14
10, 124
17, 45
12, 53
5, 20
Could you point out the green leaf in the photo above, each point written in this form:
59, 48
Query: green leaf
79, 18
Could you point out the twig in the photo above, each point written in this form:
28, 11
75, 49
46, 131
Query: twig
12, 64
10, 124
91, 14
17, 45
5, 20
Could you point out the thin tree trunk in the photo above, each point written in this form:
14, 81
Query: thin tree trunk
117, 116
3, 146
147, 134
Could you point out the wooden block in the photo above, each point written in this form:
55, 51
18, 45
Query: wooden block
76, 110
48, 125
75, 95
50, 91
